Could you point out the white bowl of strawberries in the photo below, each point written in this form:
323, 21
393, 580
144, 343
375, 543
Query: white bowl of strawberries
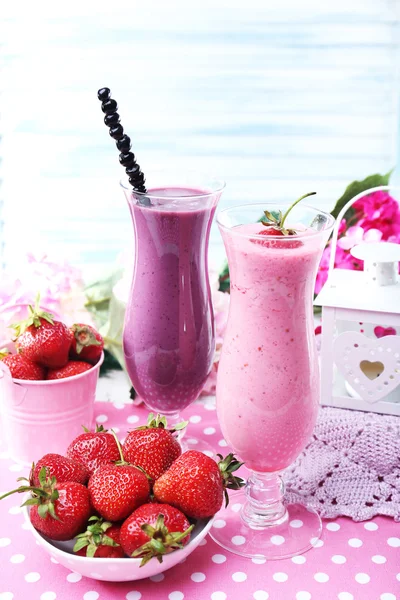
121, 513
47, 388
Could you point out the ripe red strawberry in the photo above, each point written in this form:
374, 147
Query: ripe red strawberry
58, 510
87, 343
273, 243
94, 449
60, 467
43, 340
116, 490
154, 530
73, 367
196, 484
22, 368
100, 540
152, 447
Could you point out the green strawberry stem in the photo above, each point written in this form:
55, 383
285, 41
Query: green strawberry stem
122, 461
35, 314
161, 541
277, 221
160, 422
227, 467
43, 496
94, 536
293, 205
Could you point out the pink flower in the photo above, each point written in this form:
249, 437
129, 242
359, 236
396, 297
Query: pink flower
379, 211
356, 234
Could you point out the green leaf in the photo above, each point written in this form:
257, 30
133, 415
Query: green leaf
224, 280
43, 510
80, 543
356, 187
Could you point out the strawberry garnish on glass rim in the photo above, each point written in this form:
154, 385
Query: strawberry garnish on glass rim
275, 222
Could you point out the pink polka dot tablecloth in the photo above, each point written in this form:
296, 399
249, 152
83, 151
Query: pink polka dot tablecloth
352, 561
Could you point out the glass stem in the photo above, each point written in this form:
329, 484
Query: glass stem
172, 420
264, 504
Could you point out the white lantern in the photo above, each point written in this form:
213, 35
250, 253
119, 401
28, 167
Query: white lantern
360, 341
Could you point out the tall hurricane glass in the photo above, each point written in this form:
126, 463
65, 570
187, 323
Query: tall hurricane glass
168, 335
268, 386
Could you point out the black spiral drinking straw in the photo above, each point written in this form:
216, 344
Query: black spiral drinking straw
123, 141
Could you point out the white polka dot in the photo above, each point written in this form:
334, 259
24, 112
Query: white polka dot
48, 596
133, 595
333, 526
259, 561
203, 542
116, 429
277, 540
378, 559
208, 453
209, 430
210, 406
222, 443
394, 542
6, 596
398, 576
355, 543
316, 543
370, 526
100, 419
4, 542
90, 596
53, 560
299, 560
280, 577
236, 507
119, 405
238, 540
338, 559
303, 596
14, 510
176, 596
239, 576
260, 595
74, 577
321, 577
296, 523
345, 596
218, 559
132, 419
193, 441
387, 596
195, 419
16, 467
17, 558
362, 578
197, 577
158, 577
218, 596
32, 577
219, 523
25, 525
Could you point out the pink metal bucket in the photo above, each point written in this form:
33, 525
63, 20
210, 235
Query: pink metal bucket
44, 416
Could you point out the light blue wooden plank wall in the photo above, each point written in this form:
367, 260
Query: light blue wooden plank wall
278, 98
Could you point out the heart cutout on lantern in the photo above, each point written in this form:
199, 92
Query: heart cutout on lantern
380, 331
371, 369
370, 366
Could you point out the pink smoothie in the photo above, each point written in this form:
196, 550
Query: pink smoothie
268, 379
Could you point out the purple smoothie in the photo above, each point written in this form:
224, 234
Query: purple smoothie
169, 328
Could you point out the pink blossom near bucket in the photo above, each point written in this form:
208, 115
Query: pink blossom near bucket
39, 417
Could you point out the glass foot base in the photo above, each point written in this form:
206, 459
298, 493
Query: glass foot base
295, 534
